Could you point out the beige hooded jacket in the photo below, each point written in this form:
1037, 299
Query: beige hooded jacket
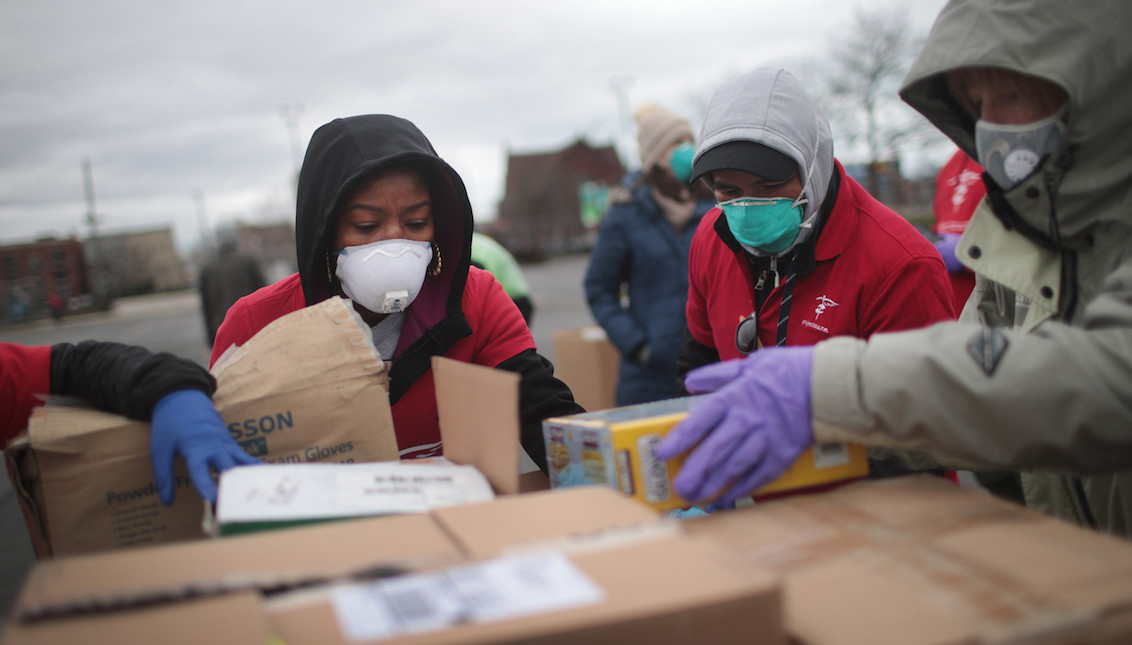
1037, 375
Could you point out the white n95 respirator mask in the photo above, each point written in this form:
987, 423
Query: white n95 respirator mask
386, 276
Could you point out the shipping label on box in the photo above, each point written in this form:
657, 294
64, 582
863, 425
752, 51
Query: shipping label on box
617, 447
309, 387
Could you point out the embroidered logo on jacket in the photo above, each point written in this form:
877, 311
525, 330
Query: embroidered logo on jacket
824, 303
987, 347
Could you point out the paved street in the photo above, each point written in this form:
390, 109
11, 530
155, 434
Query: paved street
172, 323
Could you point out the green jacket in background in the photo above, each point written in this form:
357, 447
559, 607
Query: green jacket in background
490, 255
1037, 374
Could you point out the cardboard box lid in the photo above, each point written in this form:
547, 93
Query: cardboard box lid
479, 419
318, 553
275, 559
918, 560
231, 620
534, 518
669, 590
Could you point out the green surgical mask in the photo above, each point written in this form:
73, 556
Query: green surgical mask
768, 224
680, 160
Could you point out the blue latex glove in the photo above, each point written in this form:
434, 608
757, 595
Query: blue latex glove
186, 423
946, 248
749, 431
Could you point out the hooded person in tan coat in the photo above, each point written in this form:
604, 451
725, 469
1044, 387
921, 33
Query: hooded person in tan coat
1037, 374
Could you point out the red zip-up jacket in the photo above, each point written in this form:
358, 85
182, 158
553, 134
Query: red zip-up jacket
873, 271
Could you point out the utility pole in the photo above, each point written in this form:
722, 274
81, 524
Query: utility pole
99, 285
290, 114
620, 86
202, 222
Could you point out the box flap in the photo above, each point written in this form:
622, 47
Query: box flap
479, 419
674, 590
533, 518
24, 476
918, 560
277, 559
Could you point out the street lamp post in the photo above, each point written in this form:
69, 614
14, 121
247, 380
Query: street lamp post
620, 86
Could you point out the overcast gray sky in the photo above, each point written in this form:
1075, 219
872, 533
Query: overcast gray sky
168, 98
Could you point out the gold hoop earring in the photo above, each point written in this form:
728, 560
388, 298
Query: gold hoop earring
435, 271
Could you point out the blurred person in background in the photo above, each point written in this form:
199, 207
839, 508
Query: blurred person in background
171, 393
637, 279
226, 278
1037, 374
382, 220
958, 190
493, 257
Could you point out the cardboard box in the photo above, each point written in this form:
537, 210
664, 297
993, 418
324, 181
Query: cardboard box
273, 496
617, 448
640, 580
588, 363
308, 387
920, 561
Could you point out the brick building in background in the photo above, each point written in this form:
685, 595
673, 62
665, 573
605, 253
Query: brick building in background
31, 272
542, 208
138, 262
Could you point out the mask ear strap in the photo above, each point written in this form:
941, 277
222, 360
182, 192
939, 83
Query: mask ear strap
813, 164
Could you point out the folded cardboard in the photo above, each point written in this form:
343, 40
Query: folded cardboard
617, 448
328, 583
670, 590
309, 387
588, 363
920, 561
271, 496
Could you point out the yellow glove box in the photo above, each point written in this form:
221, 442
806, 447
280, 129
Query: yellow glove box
616, 447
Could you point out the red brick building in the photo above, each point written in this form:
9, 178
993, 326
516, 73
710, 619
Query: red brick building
541, 209
31, 272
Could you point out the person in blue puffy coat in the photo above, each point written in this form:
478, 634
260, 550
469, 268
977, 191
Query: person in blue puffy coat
637, 280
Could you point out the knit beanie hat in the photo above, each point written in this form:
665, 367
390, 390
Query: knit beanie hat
657, 131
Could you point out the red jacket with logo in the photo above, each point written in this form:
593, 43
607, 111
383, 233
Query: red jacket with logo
498, 333
958, 190
873, 272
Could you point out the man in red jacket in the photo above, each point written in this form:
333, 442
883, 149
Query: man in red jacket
796, 251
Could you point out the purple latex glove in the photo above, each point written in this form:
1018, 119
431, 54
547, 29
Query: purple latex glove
186, 423
749, 431
946, 248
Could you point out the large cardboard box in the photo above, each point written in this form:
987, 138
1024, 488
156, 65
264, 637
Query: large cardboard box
590, 565
308, 387
920, 561
588, 363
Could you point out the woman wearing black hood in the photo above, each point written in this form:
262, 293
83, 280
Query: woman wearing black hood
383, 220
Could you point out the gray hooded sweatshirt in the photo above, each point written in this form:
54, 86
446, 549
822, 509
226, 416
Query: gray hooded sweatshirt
1037, 375
790, 122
